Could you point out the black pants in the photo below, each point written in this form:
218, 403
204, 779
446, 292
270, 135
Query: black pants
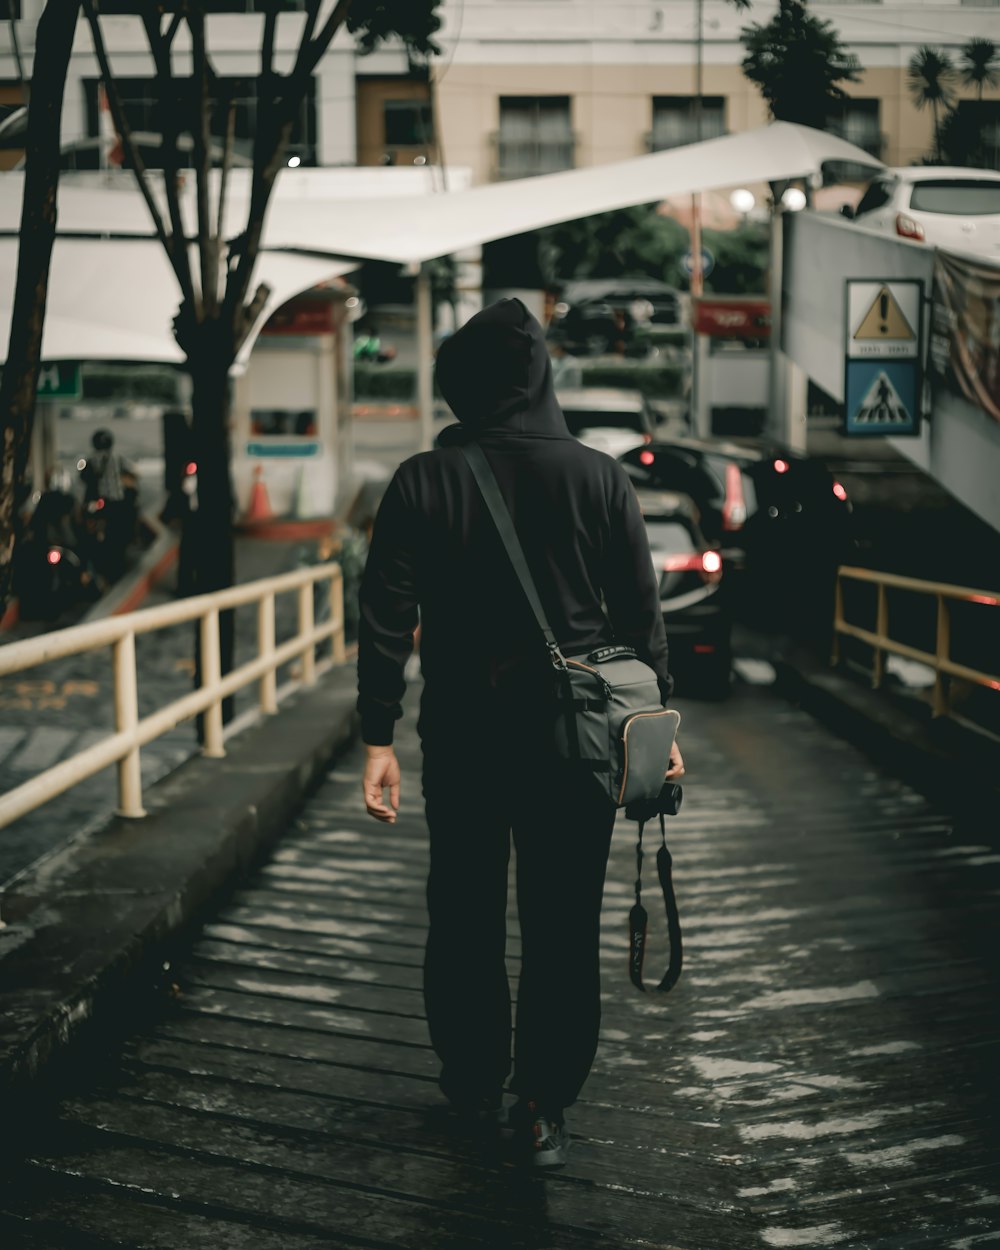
481, 783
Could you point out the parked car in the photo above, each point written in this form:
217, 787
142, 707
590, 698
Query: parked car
610, 420
696, 615
782, 520
714, 474
596, 316
947, 206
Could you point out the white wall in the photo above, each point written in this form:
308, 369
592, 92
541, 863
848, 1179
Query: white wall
959, 445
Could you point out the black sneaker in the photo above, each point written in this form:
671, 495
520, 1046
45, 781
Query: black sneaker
542, 1136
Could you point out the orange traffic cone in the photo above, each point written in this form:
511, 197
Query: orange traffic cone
260, 506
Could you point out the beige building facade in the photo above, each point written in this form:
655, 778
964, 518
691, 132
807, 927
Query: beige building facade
531, 85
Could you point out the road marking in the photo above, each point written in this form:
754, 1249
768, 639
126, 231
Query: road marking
43, 748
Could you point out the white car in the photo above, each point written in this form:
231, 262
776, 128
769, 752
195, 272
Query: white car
613, 421
946, 206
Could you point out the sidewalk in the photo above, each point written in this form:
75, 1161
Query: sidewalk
822, 1075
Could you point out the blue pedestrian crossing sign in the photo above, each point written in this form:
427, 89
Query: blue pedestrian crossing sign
882, 397
882, 356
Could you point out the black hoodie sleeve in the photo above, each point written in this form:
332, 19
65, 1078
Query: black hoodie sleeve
388, 616
631, 587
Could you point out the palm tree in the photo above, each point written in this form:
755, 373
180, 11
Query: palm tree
798, 63
979, 65
931, 79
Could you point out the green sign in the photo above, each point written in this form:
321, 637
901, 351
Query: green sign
283, 449
59, 381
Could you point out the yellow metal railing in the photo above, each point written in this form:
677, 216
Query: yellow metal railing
882, 642
131, 734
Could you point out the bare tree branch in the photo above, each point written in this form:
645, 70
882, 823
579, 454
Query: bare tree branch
159, 46
227, 161
201, 132
311, 50
170, 246
267, 46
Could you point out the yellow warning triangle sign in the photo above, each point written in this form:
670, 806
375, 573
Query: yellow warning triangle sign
884, 320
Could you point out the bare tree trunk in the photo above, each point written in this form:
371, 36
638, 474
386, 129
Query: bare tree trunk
53, 45
213, 546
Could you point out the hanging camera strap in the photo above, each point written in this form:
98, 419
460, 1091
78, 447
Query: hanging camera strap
638, 918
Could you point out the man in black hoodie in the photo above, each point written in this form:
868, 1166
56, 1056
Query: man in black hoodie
489, 768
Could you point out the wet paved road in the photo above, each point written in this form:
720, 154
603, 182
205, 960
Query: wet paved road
824, 1075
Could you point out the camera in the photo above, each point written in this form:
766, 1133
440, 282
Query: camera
668, 801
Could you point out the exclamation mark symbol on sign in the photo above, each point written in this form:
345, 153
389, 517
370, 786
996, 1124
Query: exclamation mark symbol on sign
883, 312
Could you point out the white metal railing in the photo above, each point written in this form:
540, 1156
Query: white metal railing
131, 734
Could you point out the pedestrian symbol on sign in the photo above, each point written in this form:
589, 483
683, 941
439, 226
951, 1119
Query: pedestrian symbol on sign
882, 405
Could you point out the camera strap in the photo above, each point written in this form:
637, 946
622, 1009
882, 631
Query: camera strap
638, 918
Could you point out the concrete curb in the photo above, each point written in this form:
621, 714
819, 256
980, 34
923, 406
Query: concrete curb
87, 926
952, 766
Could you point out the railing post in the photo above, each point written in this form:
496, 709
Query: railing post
337, 608
881, 630
306, 626
126, 720
211, 675
942, 651
838, 620
265, 647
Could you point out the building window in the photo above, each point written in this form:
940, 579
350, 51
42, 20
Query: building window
142, 105
408, 123
675, 120
535, 136
858, 122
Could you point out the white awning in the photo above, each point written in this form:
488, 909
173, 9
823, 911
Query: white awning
437, 225
313, 213
115, 299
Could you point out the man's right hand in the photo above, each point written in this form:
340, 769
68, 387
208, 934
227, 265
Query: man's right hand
675, 768
381, 772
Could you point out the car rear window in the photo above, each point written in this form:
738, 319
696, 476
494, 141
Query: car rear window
580, 419
958, 198
669, 537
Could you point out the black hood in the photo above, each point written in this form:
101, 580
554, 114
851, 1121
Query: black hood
495, 374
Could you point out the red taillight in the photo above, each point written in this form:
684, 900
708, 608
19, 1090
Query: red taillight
840, 492
54, 556
98, 504
646, 457
734, 510
781, 466
190, 468
907, 228
707, 564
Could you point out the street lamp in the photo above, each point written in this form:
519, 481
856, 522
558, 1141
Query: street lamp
794, 199
742, 200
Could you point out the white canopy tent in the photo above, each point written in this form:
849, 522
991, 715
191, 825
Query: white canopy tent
116, 299
114, 296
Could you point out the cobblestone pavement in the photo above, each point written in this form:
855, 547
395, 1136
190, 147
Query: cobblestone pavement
822, 1076
64, 707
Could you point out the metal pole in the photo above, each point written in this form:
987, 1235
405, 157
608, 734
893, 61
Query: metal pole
425, 359
126, 720
306, 626
776, 420
697, 275
265, 647
337, 608
211, 675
